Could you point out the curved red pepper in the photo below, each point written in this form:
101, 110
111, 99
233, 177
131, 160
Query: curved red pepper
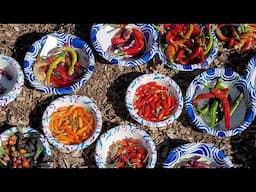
138, 45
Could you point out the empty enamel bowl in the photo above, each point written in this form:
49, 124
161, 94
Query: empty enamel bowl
173, 89
208, 57
74, 126
46, 45
101, 35
197, 155
243, 114
119, 133
11, 80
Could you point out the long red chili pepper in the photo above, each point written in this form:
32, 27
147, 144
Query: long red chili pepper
220, 94
138, 45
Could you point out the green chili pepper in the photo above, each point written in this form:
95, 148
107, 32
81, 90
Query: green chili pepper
219, 85
74, 58
236, 103
202, 111
212, 112
209, 46
53, 66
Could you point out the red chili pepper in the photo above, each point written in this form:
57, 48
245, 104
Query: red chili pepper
202, 96
170, 51
58, 82
179, 57
194, 55
221, 94
196, 30
118, 41
167, 26
161, 115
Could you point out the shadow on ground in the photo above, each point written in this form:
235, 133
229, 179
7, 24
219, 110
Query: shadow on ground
21, 47
83, 31
244, 148
165, 147
117, 92
89, 153
36, 114
237, 60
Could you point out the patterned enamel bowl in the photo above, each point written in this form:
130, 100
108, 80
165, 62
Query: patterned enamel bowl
11, 80
27, 131
209, 57
52, 41
242, 115
210, 155
161, 80
101, 35
251, 72
121, 132
69, 100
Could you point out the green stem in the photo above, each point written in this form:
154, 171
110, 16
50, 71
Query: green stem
236, 103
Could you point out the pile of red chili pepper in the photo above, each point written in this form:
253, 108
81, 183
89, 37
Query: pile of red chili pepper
186, 43
195, 162
127, 153
219, 102
154, 102
242, 37
60, 69
128, 42
7, 76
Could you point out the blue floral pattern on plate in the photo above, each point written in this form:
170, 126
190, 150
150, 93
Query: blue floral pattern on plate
243, 116
150, 35
63, 39
163, 80
68, 100
209, 59
201, 149
14, 88
121, 132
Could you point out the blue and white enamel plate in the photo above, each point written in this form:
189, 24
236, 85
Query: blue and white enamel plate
14, 86
190, 67
251, 72
212, 153
245, 112
101, 35
26, 131
119, 133
68, 100
162, 80
61, 39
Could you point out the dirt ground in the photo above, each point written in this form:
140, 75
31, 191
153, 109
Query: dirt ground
107, 88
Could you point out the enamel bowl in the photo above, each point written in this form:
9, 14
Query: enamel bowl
121, 132
54, 40
243, 115
101, 35
68, 100
4, 136
12, 87
162, 80
205, 151
193, 66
